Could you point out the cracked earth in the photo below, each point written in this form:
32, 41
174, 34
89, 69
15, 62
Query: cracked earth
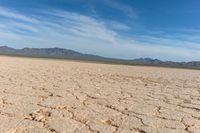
54, 96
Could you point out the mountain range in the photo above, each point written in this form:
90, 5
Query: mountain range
60, 53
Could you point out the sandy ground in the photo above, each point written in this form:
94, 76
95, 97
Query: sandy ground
52, 96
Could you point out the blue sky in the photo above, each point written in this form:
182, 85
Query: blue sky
163, 29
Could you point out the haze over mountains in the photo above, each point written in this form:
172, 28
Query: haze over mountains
61, 53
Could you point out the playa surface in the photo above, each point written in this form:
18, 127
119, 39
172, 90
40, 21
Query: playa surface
54, 96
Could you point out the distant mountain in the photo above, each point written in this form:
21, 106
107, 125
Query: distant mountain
70, 54
156, 62
48, 53
5, 49
147, 61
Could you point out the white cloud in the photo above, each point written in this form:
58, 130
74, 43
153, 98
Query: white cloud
126, 9
118, 26
87, 34
5, 12
81, 26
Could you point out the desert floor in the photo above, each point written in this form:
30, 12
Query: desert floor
44, 96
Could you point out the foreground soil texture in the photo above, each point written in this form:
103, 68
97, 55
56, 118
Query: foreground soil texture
54, 96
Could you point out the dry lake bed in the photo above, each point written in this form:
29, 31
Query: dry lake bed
55, 96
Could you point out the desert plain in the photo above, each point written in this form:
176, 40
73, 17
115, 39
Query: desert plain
59, 96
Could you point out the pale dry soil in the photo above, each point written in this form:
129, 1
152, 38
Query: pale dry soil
54, 96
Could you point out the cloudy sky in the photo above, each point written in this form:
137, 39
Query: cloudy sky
163, 29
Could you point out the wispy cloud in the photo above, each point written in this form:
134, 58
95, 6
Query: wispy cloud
5, 12
118, 26
125, 8
58, 28
84, 26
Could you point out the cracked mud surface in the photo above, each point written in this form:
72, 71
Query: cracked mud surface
52, 96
